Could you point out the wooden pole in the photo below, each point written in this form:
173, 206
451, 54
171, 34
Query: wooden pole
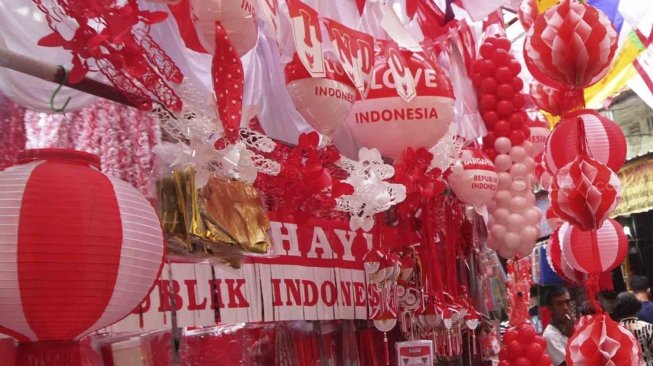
30, 66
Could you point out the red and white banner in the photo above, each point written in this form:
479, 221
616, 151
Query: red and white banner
314, 273
308, 37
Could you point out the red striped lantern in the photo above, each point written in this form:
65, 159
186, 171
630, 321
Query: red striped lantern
558, 263
80, 251
601, 341
605, 141
570, 46
595, 251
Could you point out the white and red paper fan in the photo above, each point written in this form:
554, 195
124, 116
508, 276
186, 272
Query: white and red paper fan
602, 341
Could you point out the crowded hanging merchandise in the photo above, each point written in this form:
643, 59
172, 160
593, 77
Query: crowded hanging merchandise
312, 182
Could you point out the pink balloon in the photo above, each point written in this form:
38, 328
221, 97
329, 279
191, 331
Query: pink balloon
503, 198
498, 231
517, 154
518, 204
528, 147
503, 162
505, 180
518, 170
501, 215
502, 145
525, 249
532, 216
239, 23
529, 234
515, 222
519, 186
529, 163
511, 240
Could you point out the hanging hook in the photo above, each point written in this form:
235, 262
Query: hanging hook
64, 80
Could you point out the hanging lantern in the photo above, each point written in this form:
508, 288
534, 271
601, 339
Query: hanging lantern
473, 180
80, 251
323, 102
527, 13
558, 263
570, 46
605, 141
594, 251
602, 341
238, 20
388, 122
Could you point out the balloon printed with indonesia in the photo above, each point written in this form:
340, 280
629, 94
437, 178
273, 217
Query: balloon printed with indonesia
385, 121
239, 21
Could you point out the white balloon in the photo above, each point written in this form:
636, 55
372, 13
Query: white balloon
506, 252
525, 250
515, 222
519, 187
528, 147
518, 170
505, 180
498, 232
532, 216
518, 204
501, 215
529, 235
529, 163
511, 240
502, 162
503, 198
238, 20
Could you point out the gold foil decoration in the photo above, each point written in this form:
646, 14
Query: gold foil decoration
221, 220
236, 207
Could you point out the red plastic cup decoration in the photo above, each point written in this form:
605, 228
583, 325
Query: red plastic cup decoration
570, 45
602, 341
522, 346
323, 102
594, 251
389, 123
558, 263
605, 141
80, 251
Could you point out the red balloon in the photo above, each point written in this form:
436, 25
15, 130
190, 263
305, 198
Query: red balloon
505, 91
488, 102
503, 43
489, 85
534, 351
545, 360
522, 361
517, 137
486, 50
505, 108
517, 84
541, 341
490, 117
527, 132
502, 57
503, 354
491, 40
504, 363
515, 67
515, 350
518, 101
503, 74
487, 67
526, 333
502, 128
476, 80
510, 335
517, 120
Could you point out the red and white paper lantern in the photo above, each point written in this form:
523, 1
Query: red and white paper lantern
605, 141
237, 18
558, 263
324, 102
594, 251
600, 340
474, 180
387, 122
80, 249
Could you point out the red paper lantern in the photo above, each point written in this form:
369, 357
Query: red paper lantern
605, 141
570, 46
594, 251
602, 341
80, 249
387, 122
323, 102
557, 262
546, 98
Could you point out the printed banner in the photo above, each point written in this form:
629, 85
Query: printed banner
308, 37
636, 187
315, 272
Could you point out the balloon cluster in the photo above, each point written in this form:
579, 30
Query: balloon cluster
514, 218
522, 346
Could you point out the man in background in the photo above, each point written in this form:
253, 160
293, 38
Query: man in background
557, 333
640, 287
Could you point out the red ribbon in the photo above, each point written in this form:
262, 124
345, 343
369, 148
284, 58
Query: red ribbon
228, 82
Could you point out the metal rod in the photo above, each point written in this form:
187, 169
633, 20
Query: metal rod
33, 67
